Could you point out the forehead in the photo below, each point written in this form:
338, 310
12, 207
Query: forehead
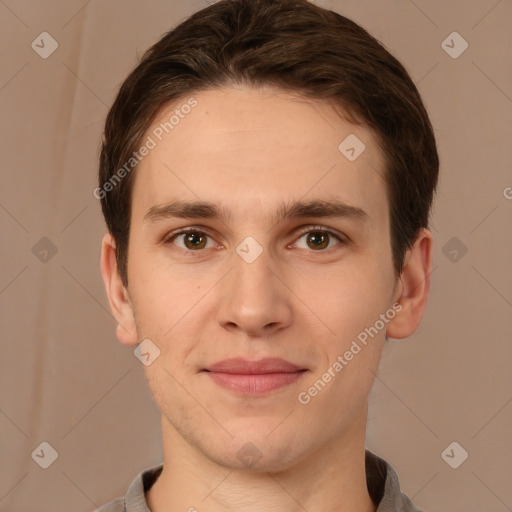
252, 148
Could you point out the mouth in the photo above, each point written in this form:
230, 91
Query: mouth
254, 378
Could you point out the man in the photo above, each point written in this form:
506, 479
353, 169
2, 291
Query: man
266, 177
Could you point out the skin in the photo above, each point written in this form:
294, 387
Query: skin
247, 150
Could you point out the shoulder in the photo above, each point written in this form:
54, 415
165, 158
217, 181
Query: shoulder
135, 498
384, 486
116, 505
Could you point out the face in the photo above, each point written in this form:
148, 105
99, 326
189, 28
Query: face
290, 260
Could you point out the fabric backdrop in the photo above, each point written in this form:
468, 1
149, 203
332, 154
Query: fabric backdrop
66, 382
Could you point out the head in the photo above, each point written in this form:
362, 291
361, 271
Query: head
268, 115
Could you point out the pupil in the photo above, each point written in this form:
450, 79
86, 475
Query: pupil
193, 236
318, 237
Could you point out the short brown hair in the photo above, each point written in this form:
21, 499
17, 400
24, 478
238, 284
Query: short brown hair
298, 47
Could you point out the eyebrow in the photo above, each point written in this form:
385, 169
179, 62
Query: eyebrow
284, 211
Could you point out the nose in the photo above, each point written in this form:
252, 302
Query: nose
255, 298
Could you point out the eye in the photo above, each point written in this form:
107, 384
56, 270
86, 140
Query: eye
318, 238
192, 239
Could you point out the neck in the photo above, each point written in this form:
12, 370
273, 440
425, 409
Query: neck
332, 478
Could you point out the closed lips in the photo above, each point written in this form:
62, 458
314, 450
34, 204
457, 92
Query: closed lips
246, 367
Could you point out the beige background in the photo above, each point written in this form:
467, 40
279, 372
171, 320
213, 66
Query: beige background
65, 379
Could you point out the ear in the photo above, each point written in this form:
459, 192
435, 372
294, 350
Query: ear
118, 296
413, 288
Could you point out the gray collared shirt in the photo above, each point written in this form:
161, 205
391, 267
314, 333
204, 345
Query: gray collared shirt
381, 479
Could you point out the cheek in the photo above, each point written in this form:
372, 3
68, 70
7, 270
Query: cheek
352, 302
352, 354
167, 392
165, 297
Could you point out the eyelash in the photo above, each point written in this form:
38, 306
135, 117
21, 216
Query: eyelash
303, 231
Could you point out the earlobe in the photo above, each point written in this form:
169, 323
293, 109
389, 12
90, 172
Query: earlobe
413, 288
118, 296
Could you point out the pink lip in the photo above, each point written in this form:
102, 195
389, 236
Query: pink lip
243, 366
254, 377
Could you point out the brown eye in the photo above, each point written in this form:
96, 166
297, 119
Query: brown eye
190, 240
318, 238
194, 240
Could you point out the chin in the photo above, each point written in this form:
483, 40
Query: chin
250, 459
258, 452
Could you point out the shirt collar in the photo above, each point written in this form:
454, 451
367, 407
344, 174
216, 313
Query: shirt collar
382, 481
